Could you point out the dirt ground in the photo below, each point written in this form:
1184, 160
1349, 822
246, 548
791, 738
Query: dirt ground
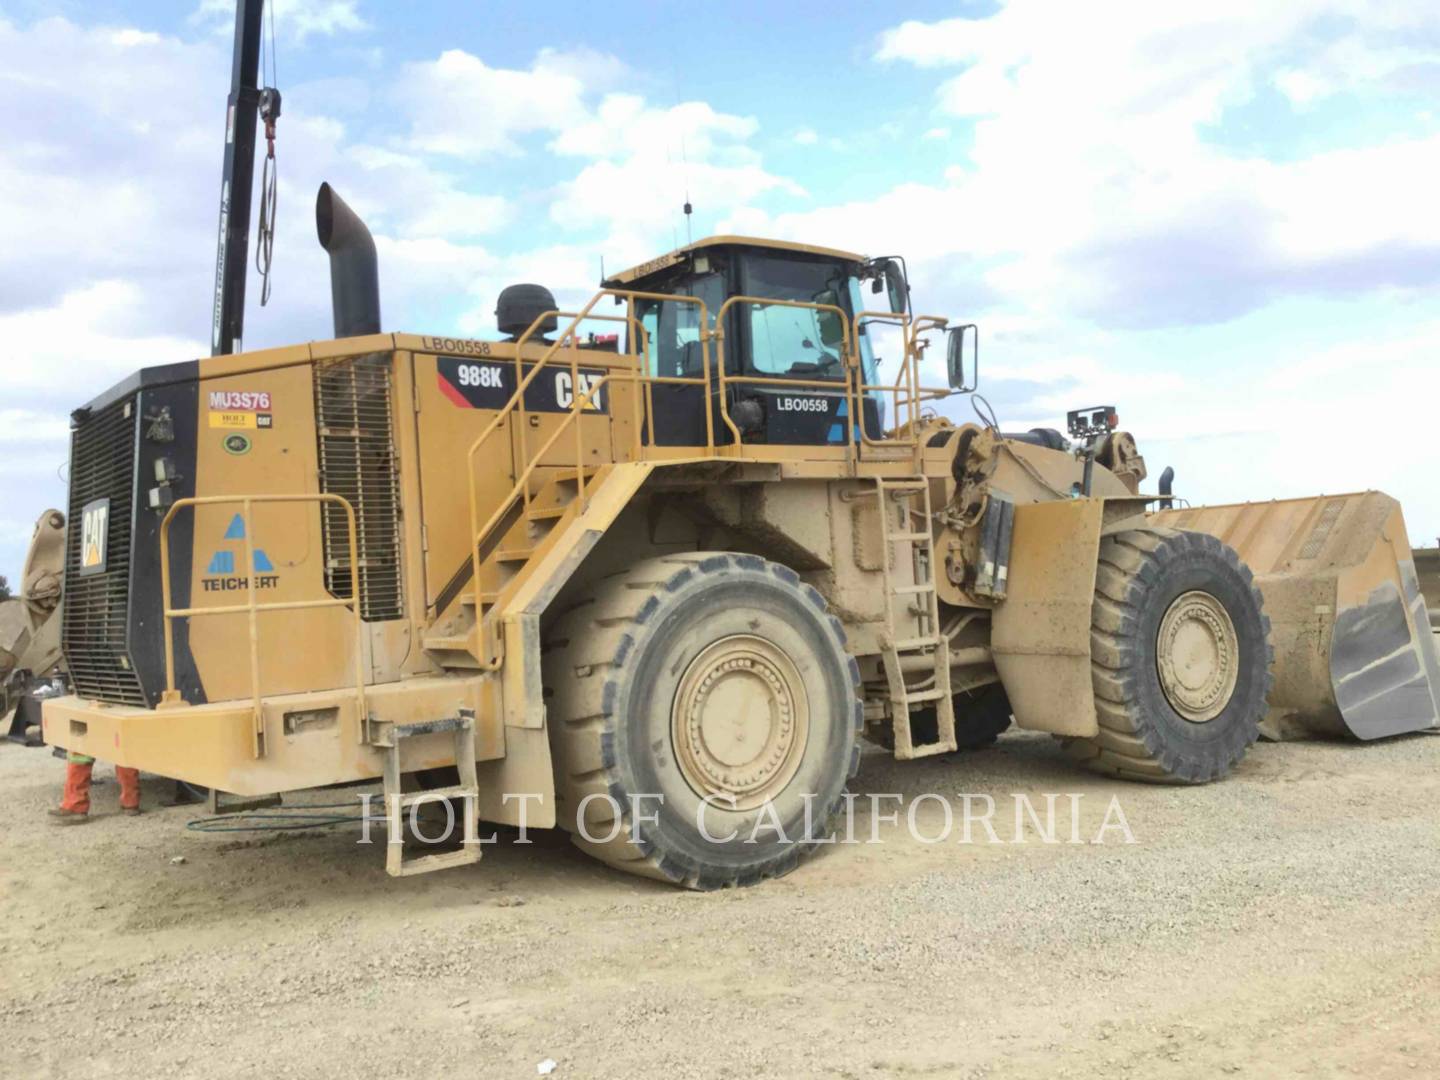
1283, 923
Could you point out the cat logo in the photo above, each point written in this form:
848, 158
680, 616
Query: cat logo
94, 527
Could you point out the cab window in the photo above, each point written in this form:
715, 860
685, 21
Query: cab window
672, 328
794, 342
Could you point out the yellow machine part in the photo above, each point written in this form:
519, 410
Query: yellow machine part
1353, 648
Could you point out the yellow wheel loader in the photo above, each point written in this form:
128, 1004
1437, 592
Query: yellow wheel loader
650, 570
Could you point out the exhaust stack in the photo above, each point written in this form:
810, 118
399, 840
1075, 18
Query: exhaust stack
354, 274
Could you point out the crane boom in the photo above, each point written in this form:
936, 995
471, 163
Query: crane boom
236, 182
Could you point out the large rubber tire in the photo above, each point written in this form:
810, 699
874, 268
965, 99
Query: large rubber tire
1143, 574
633, 674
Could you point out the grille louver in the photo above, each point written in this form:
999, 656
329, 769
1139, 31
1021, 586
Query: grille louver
357, 462
103, 450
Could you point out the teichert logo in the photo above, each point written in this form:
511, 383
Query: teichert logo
220, 574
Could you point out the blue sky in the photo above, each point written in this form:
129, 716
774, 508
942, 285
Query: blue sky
1219, 218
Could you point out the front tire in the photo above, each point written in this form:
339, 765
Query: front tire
1180, 658
716, 689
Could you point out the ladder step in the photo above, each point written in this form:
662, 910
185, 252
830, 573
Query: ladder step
458, 791
925, 695
514, 555
910, 590
926, 750
437, 643
425, 864
546, 513
904, 485
428, 727
911, 644
568, 476
913, 537
468, 600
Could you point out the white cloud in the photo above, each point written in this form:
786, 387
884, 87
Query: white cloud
641, 160
295, 20
1301, 87
597, 71
1354, 64
91, 329
1095, 185
647, 160
937, 133
460, 106
805, 137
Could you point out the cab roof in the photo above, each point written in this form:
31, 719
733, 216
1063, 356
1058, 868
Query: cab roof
664, 262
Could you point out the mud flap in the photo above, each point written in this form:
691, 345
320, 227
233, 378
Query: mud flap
1040, 634
1353, 649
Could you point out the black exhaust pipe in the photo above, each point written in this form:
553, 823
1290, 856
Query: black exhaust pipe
354, 273
1167, 479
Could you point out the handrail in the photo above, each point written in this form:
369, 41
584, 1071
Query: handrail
567, 337
907, 380
171, 695
509, 500
517, 403
902, 378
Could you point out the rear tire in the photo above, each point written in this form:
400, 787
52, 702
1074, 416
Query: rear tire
693, 676
1180, 658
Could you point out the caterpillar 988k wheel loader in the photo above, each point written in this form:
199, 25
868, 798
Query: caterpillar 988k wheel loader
649, 571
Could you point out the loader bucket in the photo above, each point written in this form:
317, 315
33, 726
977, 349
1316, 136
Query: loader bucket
1354, 652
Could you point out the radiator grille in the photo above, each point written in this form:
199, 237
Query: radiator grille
95, 610
357, 461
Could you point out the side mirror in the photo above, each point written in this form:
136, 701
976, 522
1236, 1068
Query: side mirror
962, 357
896, 287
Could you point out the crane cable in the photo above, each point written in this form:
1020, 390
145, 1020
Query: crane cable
269, 197
269, 177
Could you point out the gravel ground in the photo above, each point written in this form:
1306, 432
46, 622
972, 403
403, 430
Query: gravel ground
1282, 923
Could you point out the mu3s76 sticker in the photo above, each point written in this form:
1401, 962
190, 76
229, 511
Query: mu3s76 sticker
239, 410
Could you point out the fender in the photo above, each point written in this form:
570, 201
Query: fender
1040, 633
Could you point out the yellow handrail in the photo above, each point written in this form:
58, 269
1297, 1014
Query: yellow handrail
509, 500
171, 695
907, 380
903, 378
517, 403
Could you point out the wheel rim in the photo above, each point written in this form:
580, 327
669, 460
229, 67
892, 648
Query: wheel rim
740, 721
1198, 655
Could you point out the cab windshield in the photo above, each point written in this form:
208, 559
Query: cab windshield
774, 341
800, 342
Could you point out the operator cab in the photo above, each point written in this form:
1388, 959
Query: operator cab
802, 347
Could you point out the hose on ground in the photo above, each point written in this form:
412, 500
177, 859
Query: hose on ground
283, 821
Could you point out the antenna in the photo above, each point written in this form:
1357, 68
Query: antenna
685, 158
